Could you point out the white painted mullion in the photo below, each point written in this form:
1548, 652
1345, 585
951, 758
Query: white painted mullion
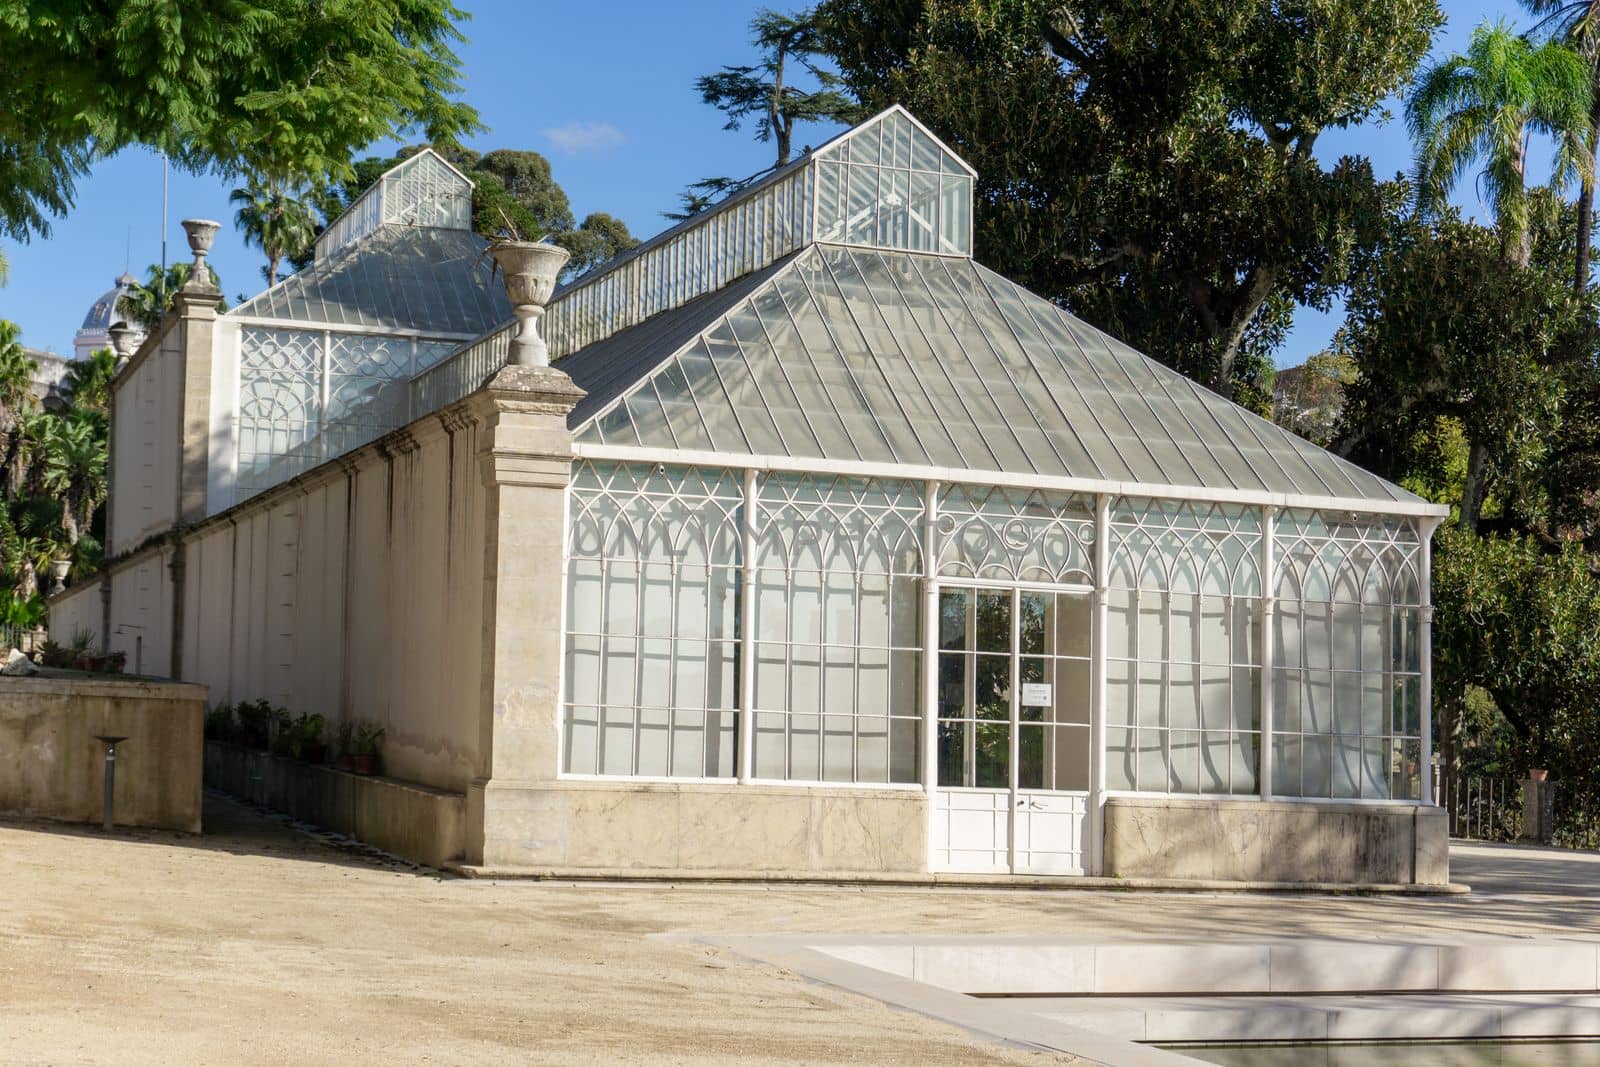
1269, 610
930, 660
1097, 675
747, 635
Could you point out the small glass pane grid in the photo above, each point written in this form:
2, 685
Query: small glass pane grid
1183, 648
1038, 661
837, 577
1347, 673
652, 621
306, 396
889, 184
1016, 535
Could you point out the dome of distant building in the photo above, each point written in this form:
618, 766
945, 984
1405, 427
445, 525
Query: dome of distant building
102, 315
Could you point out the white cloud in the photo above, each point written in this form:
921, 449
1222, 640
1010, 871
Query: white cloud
577, 137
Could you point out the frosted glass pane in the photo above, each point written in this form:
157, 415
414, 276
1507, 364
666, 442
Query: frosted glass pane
1183, 697
770, 745
616, 740
805, 607
583, 670
1347, 637
1216, 754
654, 740
872, 749
839, 680
872, 682
1151, 710
1185, 762
582, 734
1121, 695
907, 609
1246, 698
838, 748
1287, 766
1121, 758
1185, 614
903, 735
772, 677
1375, 768
1286, 650
1317, 766
688, 743
584, 596
1242, 763
805, 679
689, 674
1152, 762
1121, 625
1318, 636
1286, 691
655, 673
1317, 708
1346, 702
617, 687
1215, 701
1347, 768
805, 747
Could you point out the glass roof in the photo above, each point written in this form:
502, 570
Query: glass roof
856, 355
428, 279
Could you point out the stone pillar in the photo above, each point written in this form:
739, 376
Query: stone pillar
526, 461
1538, 810
197, 316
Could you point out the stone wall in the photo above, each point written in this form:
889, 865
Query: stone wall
52, 767
412, 821
1276, 841
598, 826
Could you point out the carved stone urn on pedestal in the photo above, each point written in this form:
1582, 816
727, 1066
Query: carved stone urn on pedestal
201, 232
530, 269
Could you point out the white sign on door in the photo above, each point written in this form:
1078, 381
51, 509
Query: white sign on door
1037, 695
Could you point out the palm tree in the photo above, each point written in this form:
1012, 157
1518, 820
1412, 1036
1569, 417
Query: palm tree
1578, 23
74, 472
274, 217
149, 300
88, 382
1484, 105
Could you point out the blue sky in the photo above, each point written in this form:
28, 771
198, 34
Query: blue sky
604, 91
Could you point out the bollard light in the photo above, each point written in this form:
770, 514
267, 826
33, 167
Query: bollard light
111, 744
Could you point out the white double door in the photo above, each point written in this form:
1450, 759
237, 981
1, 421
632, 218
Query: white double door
1013, 704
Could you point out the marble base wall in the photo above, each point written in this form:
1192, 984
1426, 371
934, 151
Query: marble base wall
749, 829
1276, 841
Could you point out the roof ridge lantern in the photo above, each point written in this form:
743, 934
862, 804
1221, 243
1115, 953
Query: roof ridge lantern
888, 183
424, 189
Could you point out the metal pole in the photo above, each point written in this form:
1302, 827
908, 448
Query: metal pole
111, 744
163, 217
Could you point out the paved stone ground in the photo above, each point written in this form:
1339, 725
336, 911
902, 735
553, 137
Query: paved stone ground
257, 943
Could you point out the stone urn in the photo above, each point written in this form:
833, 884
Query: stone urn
122, 341
530, 269
201, 232
58, 575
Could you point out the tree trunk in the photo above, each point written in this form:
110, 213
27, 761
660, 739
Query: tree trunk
1580, 279
1257, 287
272, 270
1473, 491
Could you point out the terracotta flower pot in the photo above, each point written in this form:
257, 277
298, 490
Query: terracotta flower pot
1539, 776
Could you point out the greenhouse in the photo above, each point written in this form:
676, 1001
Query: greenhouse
818, 549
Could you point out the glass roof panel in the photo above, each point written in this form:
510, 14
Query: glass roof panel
853, 354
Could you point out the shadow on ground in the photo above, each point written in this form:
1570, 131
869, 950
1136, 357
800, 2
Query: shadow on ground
238, 828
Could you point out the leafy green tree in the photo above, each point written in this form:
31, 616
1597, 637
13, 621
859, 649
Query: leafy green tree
1152, 164
276, 218
1578, 23
766, 91
598, 239
269, 86
1482, 105
1446, 335
151, 298
1522, 623
75, 471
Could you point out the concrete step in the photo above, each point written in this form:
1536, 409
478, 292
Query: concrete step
1409, 1017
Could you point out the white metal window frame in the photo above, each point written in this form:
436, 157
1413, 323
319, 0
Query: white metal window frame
1425, 518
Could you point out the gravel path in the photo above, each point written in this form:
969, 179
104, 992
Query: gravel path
257, 943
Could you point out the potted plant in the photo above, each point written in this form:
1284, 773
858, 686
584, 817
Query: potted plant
365, 744
342, 742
